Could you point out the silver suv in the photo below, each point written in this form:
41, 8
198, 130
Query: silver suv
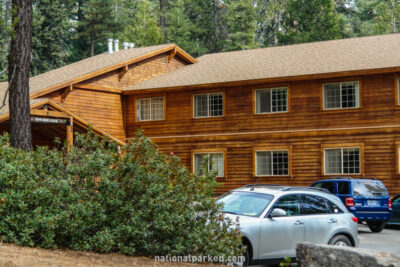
273, 219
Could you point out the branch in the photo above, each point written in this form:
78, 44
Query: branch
1, 72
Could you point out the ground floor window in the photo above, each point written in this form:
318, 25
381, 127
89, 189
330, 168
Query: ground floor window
214, 162
342, 160
272, 163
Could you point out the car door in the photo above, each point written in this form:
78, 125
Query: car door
396, 209
318, 220
280, 235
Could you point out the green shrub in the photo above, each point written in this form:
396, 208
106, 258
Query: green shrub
137, 201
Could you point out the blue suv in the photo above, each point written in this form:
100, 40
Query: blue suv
367, 199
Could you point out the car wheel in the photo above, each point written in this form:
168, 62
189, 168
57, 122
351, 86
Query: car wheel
376, 227
246, 255
340, 240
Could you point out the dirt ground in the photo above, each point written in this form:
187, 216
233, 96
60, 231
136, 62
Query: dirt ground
14, 256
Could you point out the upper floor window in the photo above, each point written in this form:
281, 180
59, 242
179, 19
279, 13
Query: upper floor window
208, 105
215, 162
150, 109
272, 163
271, 100
341, 95
342, 160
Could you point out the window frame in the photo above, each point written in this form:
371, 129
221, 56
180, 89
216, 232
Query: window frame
144, 97
303, 195
340, 83
360, 146
272, 149
254, 100
276, 201
222, 92
211, 151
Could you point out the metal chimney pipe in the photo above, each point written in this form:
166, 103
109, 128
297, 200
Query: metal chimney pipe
116, 45
131, 45
125, 45
110, 46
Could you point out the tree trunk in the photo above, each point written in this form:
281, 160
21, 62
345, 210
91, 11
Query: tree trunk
91, 44
162, 17
18, 75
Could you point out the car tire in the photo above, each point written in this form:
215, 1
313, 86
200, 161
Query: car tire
246, 255
376, 227
340, 240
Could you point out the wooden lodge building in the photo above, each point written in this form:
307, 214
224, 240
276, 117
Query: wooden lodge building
288, 115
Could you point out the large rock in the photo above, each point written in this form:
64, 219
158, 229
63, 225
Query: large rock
312, 255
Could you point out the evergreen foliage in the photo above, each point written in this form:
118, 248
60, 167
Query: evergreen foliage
137, 202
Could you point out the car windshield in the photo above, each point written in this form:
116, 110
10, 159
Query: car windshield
244, 203
369, 188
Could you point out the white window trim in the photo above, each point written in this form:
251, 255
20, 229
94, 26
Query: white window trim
138, 108
341, 158
208, 109
271, 89
206, 153
340, 83
272, 171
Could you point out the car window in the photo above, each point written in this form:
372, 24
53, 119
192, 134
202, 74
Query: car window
311, 204
369, 188
333, 208
343, 188
290, 204
244, 203
326, 185
396, 199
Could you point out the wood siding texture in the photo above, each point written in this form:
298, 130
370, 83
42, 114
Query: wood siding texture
305, 128
138, 72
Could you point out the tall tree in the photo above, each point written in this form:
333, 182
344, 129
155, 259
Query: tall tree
97, 21
269, 15
142, 26
241, 21
179, 26
310, 20
51, 34
18, 75
5, 21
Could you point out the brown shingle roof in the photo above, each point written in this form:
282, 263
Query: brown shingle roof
366, 53
79, 69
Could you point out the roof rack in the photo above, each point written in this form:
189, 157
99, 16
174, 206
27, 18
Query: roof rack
251, 185
307, 187
348, 178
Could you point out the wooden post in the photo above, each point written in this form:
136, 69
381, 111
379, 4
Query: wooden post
70, 133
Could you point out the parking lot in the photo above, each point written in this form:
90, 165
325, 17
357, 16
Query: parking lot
386, 241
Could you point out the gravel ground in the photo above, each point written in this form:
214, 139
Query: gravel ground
14, 256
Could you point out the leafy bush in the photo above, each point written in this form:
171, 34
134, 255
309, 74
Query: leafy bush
133, 201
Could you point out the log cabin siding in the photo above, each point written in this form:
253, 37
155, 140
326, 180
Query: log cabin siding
306, 128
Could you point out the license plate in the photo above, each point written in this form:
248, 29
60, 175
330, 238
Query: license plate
373, 203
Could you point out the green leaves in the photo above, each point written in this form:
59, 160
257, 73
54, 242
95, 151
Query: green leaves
139, 201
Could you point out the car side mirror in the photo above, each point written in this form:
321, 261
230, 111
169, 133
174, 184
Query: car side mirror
277, 212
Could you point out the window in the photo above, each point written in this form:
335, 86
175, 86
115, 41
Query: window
333, 208
341, 95
343, 188
290, 204
150, 109
271, 100
342, 161
208, 105
311, 205
271, 163
215, 162
326, 185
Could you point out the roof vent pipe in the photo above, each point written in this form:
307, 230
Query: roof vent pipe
125, 45
131, 45
110, 46
116, 46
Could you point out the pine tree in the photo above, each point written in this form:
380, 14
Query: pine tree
179, 26
97, 22
269, 15
142, 26
241, 23
310, 20
51, 34
5, 22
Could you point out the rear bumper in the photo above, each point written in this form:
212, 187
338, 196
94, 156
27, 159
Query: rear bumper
373, 216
